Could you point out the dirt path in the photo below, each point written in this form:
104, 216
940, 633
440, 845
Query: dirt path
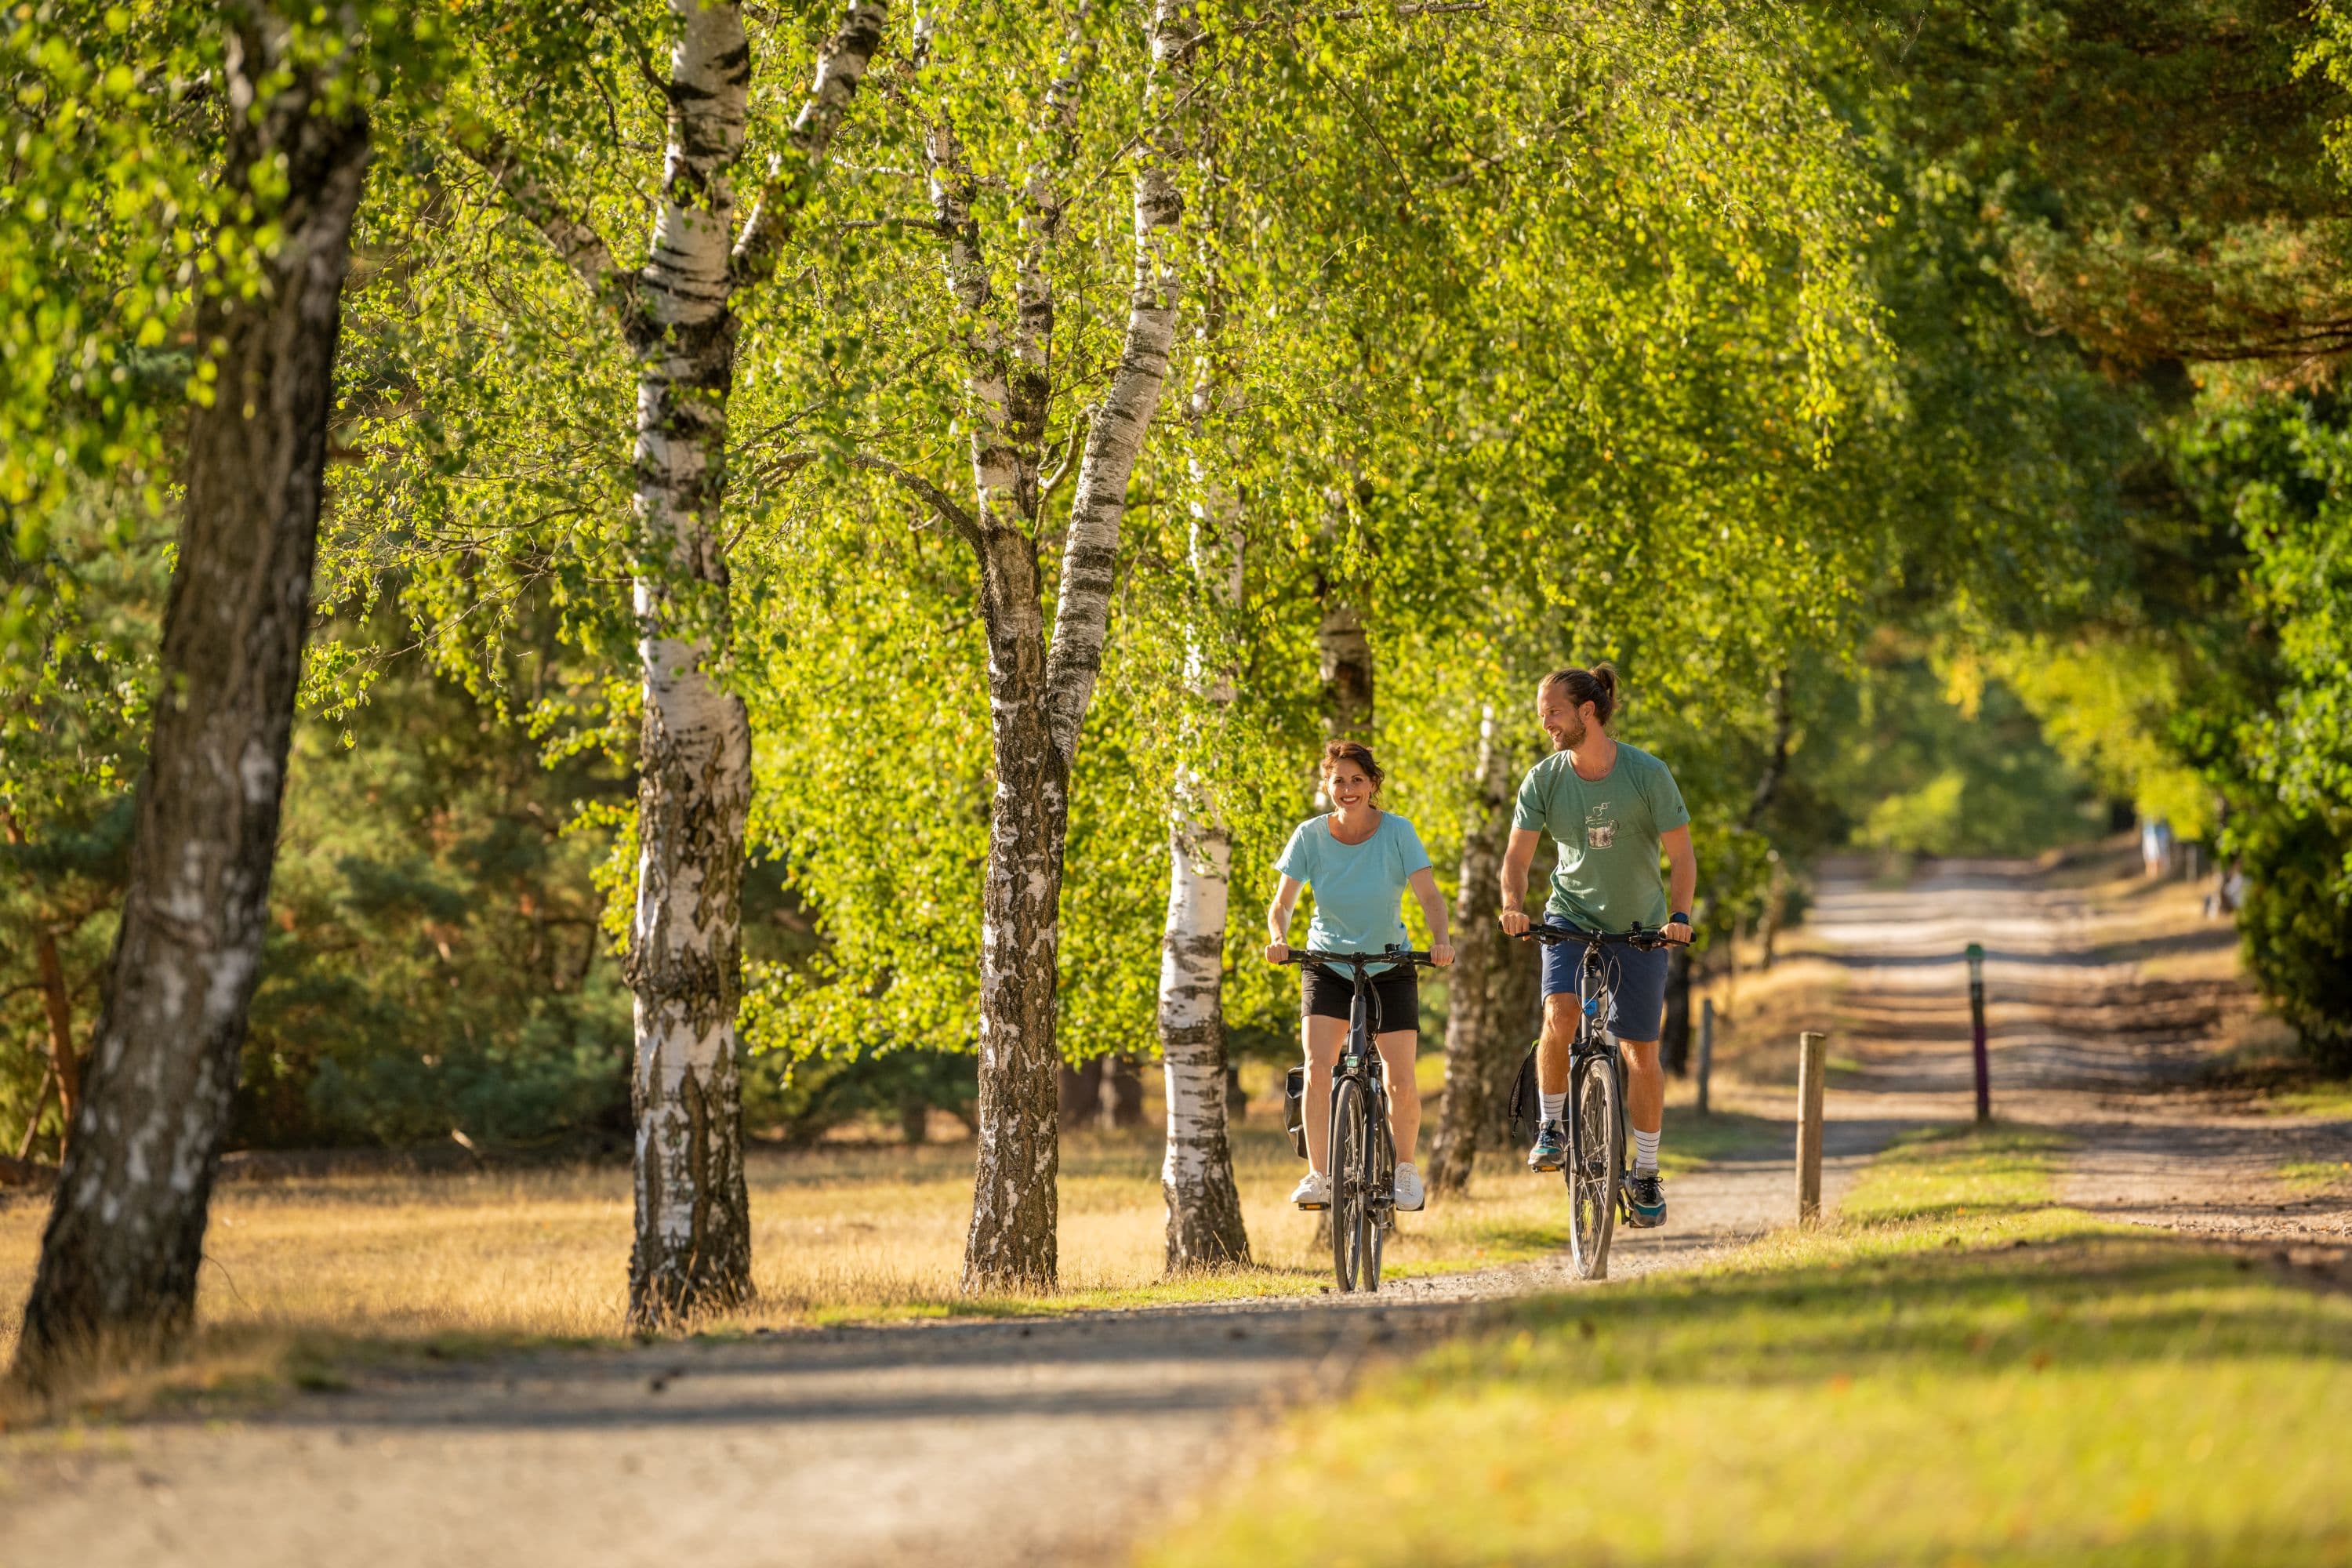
983, 1443
2102, 1013
972, 1442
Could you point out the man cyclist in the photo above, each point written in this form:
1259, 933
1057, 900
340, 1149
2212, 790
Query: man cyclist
1610, 809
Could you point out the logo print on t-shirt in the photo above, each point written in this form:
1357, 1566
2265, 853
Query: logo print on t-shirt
1600, 827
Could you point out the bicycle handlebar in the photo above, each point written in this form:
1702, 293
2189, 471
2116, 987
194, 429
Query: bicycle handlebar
1360, 960
1543, 931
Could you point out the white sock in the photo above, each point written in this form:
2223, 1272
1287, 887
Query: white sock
1555, 1106
1645, 1152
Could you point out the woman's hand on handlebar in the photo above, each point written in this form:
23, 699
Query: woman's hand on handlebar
1278, 953
1441, 954
1515, 923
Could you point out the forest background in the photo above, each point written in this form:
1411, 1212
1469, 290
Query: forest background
1933, 413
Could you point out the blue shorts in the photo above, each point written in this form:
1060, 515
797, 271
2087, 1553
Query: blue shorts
1637, 983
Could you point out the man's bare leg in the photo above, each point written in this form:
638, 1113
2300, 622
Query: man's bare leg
1645, 1085
1559, 1035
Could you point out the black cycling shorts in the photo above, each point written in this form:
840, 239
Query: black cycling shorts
1327, 992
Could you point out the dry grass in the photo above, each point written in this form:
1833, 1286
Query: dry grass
300, 1269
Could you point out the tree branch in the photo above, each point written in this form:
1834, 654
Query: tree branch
792, 174
967, 527
574, 240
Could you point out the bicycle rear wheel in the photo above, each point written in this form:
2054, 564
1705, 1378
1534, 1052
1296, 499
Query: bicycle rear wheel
1596, 1155
1351, 1164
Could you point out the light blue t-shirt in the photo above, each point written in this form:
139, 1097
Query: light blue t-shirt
1357, 887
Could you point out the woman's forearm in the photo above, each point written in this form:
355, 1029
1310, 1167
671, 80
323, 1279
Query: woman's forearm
1278, 920
1433, 906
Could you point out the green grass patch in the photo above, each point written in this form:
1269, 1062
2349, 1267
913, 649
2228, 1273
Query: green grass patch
2316, 1175
1954, 1371
2328, 1099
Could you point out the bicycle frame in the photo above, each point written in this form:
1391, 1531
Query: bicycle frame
1368, 1190
1595, 1048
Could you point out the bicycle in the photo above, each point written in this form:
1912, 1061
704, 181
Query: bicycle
1598, 1141
1362, 1149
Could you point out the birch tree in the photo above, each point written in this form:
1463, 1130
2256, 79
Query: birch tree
678, 317
126, 1229
1039, 689
1196, 1177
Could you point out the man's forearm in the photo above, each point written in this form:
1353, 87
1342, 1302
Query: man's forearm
1515, 878
1683, 884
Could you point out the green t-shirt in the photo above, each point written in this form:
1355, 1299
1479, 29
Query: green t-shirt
1607, 830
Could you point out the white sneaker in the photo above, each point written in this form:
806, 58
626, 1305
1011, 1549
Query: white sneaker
1313, 1192
1408, 1188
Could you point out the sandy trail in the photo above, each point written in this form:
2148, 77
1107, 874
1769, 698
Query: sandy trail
2102, 1013
975, 1442
1063, 1440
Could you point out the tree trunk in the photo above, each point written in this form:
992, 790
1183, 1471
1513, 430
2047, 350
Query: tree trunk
693, 1224
1126, 1079
1079, 1097
693, 1251
1038, 699
1473, 1025
1196, 1176
119, 1261
1011, 1244
693, 1248
1674, 1034
1344, 658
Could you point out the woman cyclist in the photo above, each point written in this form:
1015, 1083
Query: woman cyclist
1360, 860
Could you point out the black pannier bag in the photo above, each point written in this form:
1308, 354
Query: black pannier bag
1526, 1105
1294, 1109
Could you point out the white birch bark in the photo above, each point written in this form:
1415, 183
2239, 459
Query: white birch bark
1204, 1216
1206, 1226
693, 1218
1038, 695
678, 315
693, 1248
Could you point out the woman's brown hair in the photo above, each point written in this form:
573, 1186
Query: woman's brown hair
1356, 752
1597, 685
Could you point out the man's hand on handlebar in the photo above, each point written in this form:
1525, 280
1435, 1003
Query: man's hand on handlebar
1278, 953
1514, 920
1676, 930
1441, 954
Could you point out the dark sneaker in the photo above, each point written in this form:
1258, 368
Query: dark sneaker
1646, 1199
1551, 1150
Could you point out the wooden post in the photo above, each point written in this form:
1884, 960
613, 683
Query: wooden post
1706, 1048
1813, 1053
1976, 1022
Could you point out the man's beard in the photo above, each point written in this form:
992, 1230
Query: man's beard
1572, 740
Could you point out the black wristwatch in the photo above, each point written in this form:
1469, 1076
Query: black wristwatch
1678, 919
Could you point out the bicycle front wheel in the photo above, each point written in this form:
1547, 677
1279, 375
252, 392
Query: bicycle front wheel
1596, 1156
1352, 1154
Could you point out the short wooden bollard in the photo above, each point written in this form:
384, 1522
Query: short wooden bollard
1977, 1032
1706, 1048
1813, 1054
